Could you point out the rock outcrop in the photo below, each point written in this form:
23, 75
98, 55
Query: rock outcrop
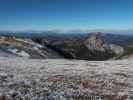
96, 42
93, 42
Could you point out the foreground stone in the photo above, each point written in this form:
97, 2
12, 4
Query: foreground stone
60, 79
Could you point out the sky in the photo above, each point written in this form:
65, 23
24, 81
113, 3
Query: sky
65, 14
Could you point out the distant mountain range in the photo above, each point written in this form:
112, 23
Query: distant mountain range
91, 46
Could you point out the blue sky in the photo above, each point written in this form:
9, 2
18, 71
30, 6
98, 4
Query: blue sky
65, 14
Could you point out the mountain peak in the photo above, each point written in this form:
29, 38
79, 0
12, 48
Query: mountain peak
94, 42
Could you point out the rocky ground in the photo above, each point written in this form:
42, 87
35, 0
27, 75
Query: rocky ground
60, 79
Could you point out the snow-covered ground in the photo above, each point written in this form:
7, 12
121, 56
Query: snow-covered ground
61, 79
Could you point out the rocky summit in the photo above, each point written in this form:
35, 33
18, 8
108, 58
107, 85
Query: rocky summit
96, 42
93, 42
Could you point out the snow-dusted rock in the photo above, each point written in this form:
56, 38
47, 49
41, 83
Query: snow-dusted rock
117, 49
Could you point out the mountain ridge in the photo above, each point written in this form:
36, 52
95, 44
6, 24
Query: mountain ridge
92, 46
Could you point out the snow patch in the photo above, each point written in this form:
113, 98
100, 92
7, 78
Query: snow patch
19, 52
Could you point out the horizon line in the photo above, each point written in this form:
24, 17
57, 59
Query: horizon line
69, 30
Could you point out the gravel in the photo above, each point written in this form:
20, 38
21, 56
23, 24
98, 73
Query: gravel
61, 79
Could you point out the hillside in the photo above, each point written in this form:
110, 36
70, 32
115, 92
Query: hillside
20, 47
91, 47
128, 54
61, 79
